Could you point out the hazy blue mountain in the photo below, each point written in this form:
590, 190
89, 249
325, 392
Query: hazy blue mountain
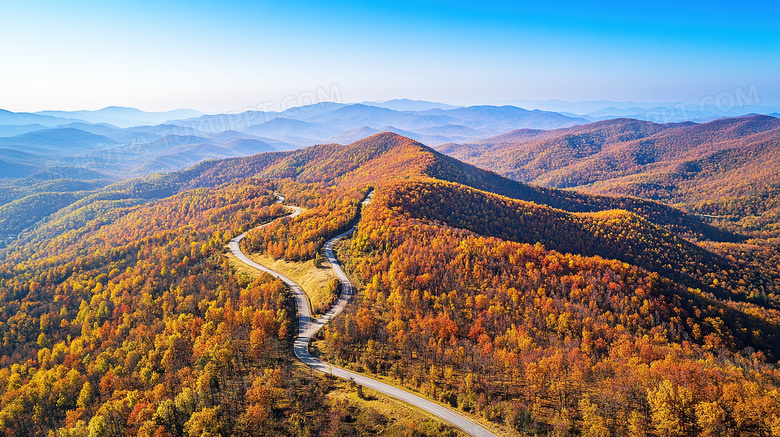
13, 129
417, 136
517, 135
163, 145
24, 157
80, 173
453, 132
146, 134
57, 140
296, 132
358, 115
305, 112
10, 169
436, 124
213, 124
246, 146
663, 112
85, 151
410, 105
124, 117
104, 129
290, 126
775, 114
183, 156
240, 122
351, 136
18, 164
478, 147
234, 135
21, 118
658, 114
498, 119
444, 125
583, 107
612, 112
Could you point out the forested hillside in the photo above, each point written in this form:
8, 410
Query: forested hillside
550, 343
726, 167
539, 310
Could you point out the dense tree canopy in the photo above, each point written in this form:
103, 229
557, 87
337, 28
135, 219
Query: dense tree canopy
545, 341
540, 310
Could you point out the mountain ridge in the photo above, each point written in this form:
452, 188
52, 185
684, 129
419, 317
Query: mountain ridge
480, 292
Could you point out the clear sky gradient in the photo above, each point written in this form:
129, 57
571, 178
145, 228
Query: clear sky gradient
225, 56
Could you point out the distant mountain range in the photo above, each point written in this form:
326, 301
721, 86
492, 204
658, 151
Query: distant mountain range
119, 142
123, 117
732, 104
123, 142
433, 123
101, 152
8, 118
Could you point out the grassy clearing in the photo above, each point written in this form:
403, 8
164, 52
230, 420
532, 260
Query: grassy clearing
371, 413
319, 349
317, 281
365, 412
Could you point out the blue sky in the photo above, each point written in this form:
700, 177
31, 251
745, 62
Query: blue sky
223, 56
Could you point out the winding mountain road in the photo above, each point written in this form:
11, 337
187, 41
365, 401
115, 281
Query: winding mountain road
308, 327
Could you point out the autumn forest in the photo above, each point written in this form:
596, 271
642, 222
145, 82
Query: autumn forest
620, 278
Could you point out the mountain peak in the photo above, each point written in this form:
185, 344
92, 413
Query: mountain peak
387, 136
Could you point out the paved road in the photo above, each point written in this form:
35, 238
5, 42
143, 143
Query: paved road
308, 327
